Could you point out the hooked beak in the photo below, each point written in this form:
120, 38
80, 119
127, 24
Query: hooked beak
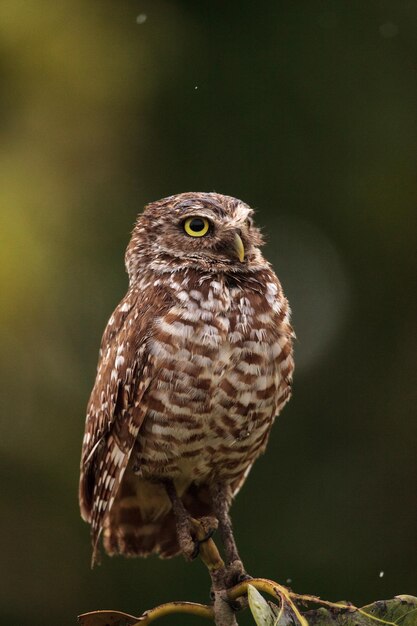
239, 248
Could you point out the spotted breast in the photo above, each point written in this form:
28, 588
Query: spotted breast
222, 356
224, 363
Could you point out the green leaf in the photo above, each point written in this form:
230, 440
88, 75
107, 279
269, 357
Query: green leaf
400, 611
261, 610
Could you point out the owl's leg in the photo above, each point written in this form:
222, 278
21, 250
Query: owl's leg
221, 497
187, 525
182, 521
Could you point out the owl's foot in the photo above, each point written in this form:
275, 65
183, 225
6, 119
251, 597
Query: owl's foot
189, 546
191, 533
235, 574
202, 529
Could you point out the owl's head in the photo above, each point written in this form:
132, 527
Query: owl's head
206, 231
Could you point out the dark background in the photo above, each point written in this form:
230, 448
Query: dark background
307, 111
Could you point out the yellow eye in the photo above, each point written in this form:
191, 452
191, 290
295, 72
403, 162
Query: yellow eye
196, 226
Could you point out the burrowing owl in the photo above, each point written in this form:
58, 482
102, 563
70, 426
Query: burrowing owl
195, 363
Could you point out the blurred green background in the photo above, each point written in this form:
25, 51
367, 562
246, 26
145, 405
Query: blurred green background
307, 111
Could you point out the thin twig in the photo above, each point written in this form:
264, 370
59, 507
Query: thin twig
201, 610
271, 587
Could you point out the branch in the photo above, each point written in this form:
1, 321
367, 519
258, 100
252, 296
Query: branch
401, 611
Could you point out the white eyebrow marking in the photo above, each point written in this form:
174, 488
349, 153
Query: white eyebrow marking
241, 212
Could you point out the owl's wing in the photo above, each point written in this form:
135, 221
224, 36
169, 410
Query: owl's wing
116, 408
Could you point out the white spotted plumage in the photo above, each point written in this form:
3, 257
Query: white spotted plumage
195, 363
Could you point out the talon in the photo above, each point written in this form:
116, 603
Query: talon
235, 605
244, 577
236, 574
204, 528
207, 536
196, 550
201, 530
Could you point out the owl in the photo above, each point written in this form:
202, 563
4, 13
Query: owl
195, 363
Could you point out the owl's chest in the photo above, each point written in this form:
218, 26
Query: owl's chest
212, 348
214, 396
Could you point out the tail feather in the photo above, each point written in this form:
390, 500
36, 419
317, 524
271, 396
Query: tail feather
141, 521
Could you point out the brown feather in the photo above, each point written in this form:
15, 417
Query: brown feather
195, 363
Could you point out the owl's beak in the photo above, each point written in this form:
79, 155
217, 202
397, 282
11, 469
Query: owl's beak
239, 248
